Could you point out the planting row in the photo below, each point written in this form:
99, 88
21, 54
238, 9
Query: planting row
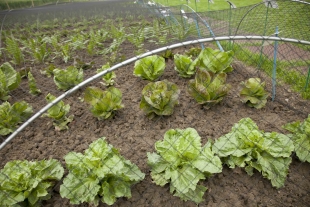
208, 88
179, 160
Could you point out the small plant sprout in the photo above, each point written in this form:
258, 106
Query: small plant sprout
108, 79
253, 93
58, 113
159, 98
150, 68
208, 88
104, 104
33, 89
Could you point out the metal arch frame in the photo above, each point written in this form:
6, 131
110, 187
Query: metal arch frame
131, 60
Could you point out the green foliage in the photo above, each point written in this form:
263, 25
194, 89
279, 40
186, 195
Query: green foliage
49, 70
253, 93
194, 52
38, 48
65, 52
68, 78
159, 98
11, 116
109, 77
103, 103
12, 46
301, 138
9, 80
182, 161
247, 146
150, 68
101, 173
184, 65
215, 60
208, 88
168, 54
58, 113
33, 89
25, 183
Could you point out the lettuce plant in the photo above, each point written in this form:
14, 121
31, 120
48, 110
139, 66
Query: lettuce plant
215, 60
181, 161
33, 89
108, 79
184, 65
25, 183
58, 113
253, 93
301, 138
149, 68
159, 98
68, 78
208, 88
103, 103
9, 80
101, 173
12, 46
247, 146
11, 116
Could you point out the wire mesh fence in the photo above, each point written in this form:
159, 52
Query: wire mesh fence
220, 121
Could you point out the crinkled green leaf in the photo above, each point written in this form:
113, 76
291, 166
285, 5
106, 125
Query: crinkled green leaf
184, 65
9, 80
159, 98
11, 116
215, 61
34, 90
68, 78
103, 103
28, 182
208, 88
246, 146
149, 68
103, 170
181, 161
253, 93
301, 138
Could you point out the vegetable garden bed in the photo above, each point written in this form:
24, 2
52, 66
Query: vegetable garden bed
134, 134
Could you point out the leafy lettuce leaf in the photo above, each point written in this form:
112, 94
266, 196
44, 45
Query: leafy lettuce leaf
184, 65
149, 68
28, 183
301, 138
9, 80
68, 78
208, 88
247, 146
101, 173
11, 116
159, 98
182, 161
253, 93
103, 103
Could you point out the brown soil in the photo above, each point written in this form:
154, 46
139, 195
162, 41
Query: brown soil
134, 134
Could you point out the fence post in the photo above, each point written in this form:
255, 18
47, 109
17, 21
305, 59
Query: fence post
274, 70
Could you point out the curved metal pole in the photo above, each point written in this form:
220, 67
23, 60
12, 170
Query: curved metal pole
131, 60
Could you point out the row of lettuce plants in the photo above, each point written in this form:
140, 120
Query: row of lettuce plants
180, 161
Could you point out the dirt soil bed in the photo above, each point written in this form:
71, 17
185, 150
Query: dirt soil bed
134, 135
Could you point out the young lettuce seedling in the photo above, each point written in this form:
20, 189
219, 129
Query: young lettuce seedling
208, 88
9, 80
103, 103
184, 65
58, 112
108, 79
34, 90
150, 68
253, 93
159, 98
68, 78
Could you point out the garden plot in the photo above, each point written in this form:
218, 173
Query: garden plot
130, 130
